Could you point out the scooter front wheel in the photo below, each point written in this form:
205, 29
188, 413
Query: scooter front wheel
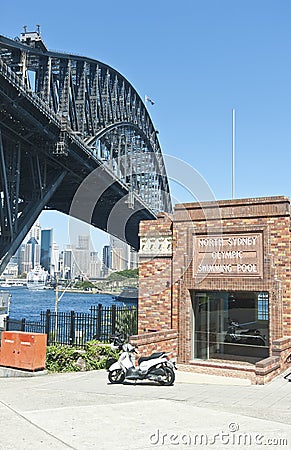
168, 378
116, 376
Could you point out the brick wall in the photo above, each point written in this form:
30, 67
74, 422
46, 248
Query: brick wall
155, 291
148, 343
271, 216
166, 280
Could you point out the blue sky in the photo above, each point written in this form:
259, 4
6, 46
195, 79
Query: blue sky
197, 60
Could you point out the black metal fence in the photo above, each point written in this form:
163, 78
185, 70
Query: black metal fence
77, 328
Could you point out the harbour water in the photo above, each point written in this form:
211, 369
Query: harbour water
28, 304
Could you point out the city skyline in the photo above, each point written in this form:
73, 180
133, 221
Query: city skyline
48, 219
39, 249
198, 63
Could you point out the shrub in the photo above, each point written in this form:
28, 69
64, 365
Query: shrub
61, 358
126, 321
96, 355
64, 358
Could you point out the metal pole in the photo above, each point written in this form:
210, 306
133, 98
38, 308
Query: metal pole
233, 151
72, 328
47, 326
56, 306
57, 293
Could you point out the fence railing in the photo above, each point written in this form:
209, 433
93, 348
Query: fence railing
75, 328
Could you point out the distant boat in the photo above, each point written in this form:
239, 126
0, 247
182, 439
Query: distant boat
127, 295
12, 284
37, 279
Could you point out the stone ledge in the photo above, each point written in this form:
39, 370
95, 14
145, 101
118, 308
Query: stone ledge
221, 368
267, 365
223, 364
281, 344
260, 373
267, 362
236, 202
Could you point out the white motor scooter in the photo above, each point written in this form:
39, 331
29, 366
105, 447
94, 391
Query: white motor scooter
157, 367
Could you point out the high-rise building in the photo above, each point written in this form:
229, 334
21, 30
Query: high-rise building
84, 242
123, 256
81, 264
95, 265
106, 260
68, 263
28, 254
34, 252
118, 259
35, 232
16, 260
46, 248
133, 258
54, 259
61, 265
25, 258
11, 270
81, 257
119, 254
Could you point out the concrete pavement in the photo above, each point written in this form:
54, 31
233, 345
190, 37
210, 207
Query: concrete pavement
82, 411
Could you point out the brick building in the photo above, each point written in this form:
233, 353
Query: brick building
215, 287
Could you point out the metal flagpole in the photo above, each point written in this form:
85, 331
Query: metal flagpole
233, 150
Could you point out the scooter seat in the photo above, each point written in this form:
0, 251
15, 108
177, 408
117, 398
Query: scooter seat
153, 356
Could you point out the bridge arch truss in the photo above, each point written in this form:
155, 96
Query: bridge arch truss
101, 107
62, 116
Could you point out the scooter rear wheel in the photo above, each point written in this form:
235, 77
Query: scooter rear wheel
116, 376
168, 377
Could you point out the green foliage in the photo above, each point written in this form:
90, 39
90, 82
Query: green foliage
86, 285
119, 276
64, 358
61, 358
96, 355
126, 321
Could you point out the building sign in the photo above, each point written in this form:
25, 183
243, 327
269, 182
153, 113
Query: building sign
228, 255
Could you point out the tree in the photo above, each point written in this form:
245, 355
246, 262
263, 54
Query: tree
119, 276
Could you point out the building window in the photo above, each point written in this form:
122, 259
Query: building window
263, 306
231, 325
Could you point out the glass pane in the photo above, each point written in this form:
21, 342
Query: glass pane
201, 326
231, 325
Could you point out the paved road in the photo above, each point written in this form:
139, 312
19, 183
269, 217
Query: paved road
82, 411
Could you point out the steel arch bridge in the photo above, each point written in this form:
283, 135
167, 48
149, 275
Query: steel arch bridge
63, 118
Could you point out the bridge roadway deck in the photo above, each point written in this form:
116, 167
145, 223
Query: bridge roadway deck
83, 411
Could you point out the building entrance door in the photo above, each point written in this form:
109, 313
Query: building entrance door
208, 325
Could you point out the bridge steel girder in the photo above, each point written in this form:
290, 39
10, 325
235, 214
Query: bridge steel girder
75, 115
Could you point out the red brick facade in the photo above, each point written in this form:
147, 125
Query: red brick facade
166, 279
